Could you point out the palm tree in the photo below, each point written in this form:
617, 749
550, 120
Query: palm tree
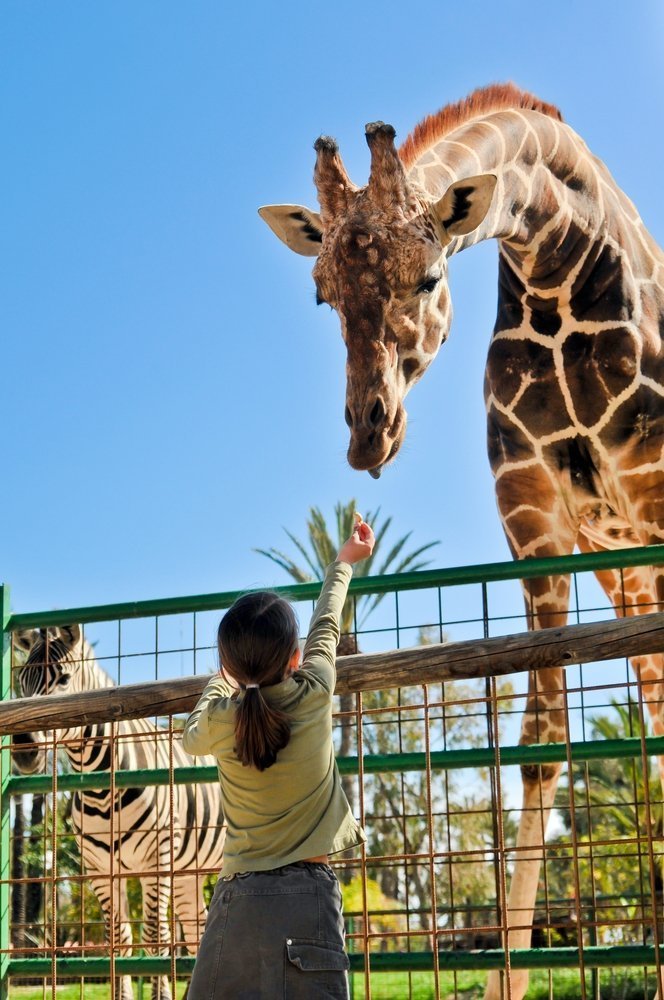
321, 551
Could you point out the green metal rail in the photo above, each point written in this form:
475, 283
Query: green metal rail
594, 957
440, 760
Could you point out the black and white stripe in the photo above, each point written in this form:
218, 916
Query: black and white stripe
126, 831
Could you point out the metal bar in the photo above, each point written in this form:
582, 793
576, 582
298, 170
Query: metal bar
5, 821
139, 965
525, 958
535, 753
648, 555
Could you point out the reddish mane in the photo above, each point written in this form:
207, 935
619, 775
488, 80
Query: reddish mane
492, 98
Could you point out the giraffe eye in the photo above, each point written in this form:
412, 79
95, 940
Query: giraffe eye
427, 286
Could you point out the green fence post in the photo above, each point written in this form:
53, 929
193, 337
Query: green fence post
5, 773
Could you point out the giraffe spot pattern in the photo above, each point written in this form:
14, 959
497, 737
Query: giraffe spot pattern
529, 483
639, 422
574, 457
542, 406
532, 525
511, 292
506, 442
545, 319
557, 255
652, 361
602, 293
588, 369
540, 774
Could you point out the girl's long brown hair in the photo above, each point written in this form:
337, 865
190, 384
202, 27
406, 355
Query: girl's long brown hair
257, 637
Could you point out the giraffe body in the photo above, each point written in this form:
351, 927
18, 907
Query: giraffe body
574, 384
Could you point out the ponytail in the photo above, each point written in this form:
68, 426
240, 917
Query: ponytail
257, 638
261, 730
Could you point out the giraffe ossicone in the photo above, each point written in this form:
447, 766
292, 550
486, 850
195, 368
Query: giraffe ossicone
574, 385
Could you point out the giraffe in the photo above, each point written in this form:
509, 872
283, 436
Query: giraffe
575, 368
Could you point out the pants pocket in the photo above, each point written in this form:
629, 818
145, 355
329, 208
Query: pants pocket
315, 970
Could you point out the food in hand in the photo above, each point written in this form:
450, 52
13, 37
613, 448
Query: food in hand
358, 519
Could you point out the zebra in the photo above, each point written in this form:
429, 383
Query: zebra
125, 831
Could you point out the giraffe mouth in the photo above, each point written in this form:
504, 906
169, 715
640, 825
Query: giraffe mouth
377, 470
372, 451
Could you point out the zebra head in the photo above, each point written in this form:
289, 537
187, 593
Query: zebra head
53, 657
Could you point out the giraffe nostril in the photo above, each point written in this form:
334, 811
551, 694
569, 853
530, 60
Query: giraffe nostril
377, 413
348, 416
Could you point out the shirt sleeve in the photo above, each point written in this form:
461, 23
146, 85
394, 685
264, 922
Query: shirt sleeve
196, 735
320, 649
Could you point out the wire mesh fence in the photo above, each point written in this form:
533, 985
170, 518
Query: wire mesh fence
111, 845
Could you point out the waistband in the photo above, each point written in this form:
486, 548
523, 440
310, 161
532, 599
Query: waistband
283, 870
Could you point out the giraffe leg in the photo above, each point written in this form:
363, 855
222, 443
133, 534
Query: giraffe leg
543, 722
115, 909
633, 591
537, 523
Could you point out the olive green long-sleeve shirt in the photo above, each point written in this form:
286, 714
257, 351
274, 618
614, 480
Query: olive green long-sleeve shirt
295, 809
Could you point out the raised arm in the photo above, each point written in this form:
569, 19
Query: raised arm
321, 645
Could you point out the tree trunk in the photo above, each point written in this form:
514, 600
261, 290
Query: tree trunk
346, 647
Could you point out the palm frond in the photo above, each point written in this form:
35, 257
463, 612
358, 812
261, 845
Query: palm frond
408, 562
322, 550
317, 570
286, 564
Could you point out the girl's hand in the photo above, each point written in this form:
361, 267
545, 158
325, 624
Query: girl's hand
359, 546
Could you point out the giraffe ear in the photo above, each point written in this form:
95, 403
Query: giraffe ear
296, 226
465, 203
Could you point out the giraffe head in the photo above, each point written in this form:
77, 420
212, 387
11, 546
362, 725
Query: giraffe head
382, 265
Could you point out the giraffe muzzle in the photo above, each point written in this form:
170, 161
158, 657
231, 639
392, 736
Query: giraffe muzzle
372, 452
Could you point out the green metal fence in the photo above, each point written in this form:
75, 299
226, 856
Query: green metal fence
409, 920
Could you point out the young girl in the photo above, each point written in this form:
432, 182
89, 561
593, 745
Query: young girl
275, 927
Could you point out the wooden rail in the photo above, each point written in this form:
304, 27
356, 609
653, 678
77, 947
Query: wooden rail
553, 647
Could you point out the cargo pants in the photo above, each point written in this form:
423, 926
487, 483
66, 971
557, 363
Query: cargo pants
274, 935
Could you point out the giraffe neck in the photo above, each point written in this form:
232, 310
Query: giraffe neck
554, 200
573, 383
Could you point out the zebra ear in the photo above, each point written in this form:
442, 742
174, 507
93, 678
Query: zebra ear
25, 639
67, 634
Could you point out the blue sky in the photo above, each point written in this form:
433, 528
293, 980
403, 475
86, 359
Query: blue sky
171, 395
